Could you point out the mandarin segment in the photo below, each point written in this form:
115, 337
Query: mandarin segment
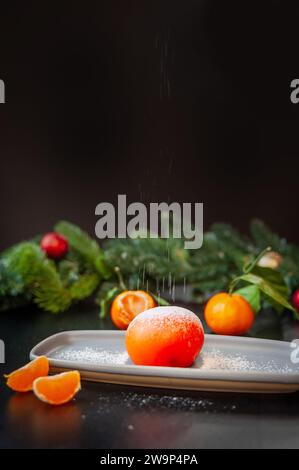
21, 380
127, 305
165, 336
57, 389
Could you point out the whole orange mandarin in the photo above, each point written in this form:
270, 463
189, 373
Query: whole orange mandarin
127, 305
229, 314
165, 336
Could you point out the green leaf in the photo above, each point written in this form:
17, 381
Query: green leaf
101, 267
252, 294
273, 276
106, 300
272, 291
160, 301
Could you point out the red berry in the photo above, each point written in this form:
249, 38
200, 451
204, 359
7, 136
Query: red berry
54, 245
295, 299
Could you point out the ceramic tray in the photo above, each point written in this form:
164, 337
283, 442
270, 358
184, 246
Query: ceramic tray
226, 363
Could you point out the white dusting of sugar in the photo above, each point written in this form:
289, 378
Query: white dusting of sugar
210, 359
219, 360
164, 317
93, 354
175, 312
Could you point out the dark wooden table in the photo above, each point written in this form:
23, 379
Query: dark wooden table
113, 416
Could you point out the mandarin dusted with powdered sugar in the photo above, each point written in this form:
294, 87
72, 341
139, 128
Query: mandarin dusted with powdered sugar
165, 336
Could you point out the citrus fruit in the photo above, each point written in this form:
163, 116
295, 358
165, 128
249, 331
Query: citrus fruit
165, 336
229, 314
128, 304
21, 380
57, 389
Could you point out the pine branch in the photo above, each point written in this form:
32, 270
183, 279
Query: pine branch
26, 274
264, 237
84, 286
149, 257
40, 276
88, 248
12, 289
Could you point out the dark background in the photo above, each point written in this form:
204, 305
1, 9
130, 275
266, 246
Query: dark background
160, 100
168, 100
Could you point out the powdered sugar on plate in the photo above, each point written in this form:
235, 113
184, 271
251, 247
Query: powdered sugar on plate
209, 359
215, 359
93, 354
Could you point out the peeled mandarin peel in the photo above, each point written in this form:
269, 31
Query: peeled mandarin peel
21, 380
57, 389
127, 305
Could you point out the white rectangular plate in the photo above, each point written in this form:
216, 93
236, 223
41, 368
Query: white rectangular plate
226, 363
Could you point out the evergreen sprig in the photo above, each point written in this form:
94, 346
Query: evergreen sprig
154, 264
85, 246
40, 276
28, 272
